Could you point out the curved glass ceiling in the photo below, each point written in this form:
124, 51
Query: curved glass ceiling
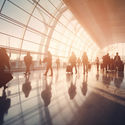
39, 25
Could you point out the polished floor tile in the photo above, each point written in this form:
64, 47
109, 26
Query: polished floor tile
95, 98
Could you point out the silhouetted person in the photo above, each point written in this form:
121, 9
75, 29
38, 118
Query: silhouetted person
26, 87
72, 88
78, 62
103, 63
117, 60
4, 106
58, 63
4, 63
97, 63
28, 62
85, 62
72, 60
84, 84
48, 60
4, 60
106, 61
112, 64
46, 93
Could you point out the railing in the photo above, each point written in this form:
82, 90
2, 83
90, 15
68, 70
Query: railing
18, 65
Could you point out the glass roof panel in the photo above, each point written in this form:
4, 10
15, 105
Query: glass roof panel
1, 3
24, 4
45, 26
9, 10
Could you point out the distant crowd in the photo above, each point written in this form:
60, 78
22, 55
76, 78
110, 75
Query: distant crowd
112, 63
108, 63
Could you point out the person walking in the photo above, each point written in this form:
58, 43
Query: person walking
72, 60
85, 62
49, 63
28, 62
5, 77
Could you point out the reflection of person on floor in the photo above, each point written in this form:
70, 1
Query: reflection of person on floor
28, 62
85, 62
68, 77
72, 60
4, 106
97, 76
49, 63
57, 77
106, 79
4, 62
26, 87
118, 80
84, 84
72, 88
46, 93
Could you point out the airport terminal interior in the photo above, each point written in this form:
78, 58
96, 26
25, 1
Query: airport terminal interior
56, 34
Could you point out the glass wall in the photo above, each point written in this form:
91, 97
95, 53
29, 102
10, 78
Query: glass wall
38, 25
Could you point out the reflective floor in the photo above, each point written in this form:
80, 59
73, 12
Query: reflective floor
96, 98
